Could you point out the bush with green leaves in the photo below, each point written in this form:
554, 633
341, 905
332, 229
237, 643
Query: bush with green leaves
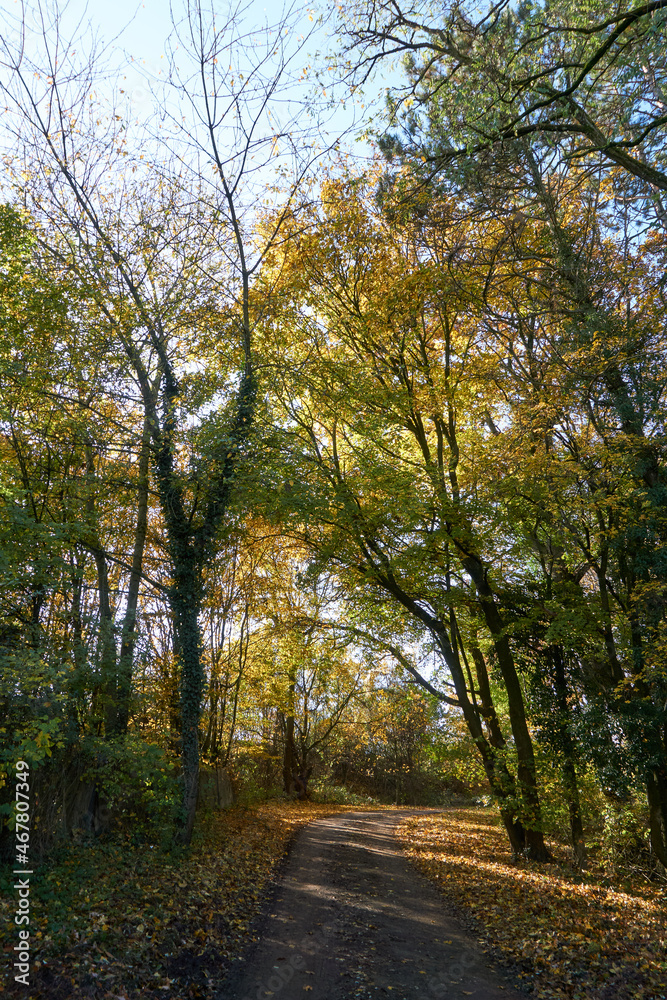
138, 784
339, 795
624, 842
32, 724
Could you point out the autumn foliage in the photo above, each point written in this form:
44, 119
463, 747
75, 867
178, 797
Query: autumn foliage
562, 935
344, 480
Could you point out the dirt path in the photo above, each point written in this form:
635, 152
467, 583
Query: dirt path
353, 918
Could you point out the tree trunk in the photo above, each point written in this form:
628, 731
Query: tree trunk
656, 790
502, 783
289, 752
186, 624
106, 645
289, 756
129, 634
527, 778
300, 778
106, 641
505, 786
568, 750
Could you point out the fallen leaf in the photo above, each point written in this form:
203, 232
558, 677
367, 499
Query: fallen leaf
549, 920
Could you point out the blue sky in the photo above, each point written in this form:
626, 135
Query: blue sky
307, 123
141, 29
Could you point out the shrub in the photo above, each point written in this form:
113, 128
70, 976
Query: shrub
339, 795
624, 845
138, 784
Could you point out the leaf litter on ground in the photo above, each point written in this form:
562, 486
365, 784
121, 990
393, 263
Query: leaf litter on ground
566, 935
111, 921
114, 922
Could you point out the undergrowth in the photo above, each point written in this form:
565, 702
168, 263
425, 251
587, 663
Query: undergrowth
112, 918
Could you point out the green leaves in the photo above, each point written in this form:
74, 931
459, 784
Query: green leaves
583, 80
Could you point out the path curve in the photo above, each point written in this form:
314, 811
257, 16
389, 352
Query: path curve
353, 918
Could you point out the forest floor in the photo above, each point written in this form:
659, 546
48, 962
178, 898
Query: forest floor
117, 921
566, 935
111, 921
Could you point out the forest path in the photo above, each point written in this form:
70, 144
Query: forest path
352, 918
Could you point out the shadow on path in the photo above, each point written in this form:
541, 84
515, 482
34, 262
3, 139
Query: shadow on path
353, 918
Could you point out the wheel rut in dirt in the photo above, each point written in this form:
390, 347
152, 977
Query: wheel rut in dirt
353, 918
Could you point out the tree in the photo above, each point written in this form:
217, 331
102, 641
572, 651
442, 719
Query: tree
524, 113
140, 248
298, 664
589, 82
383, 423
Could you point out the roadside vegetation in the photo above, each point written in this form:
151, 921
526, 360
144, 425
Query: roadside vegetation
115, 919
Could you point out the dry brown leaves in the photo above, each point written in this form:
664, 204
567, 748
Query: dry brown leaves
114, 923
566, 936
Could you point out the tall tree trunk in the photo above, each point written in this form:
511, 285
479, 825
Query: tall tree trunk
106, 645
656, 791
289, 755
491, 750
185, 607
501, 781
129, 633
656, 784
106, 642
289, 752
75, 622
232, 721
526, 773
184, 602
